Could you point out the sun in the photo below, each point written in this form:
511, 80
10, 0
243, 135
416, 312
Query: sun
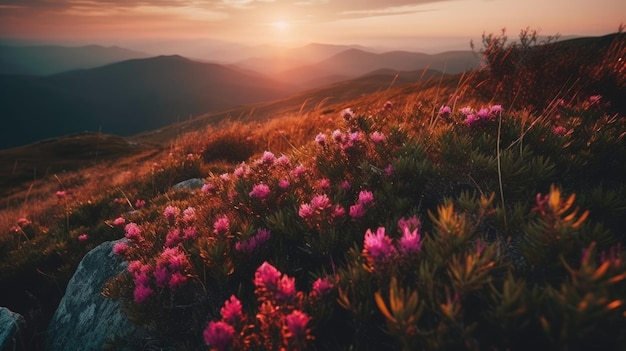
281, 25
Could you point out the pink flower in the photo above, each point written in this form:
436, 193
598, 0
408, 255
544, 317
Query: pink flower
221, 225
133, 232
268, 158
445, 110
471, 120
320, 202
282, 160
284, 184
339, 211
61, 194
322, 286
366, 198
496, 109
140, 203
320, 139
357, 211
347, 114
484, 113
377, 137
225, 177
119, 221
219, 335
379, 246
267, 276
190, 233
467, 111
345, 185
241, 171
387, 106
171, 212
176, 280
232, 312
189, 214
296, 323
208, 188
260, 191
323, 184
120, 248
410, 242
250, 245
83, 237
142, 293
298, 171
305, 211
338, 136
23, 222
286, 288
173, 237
162, 275
389, 170
411, 223
559, 130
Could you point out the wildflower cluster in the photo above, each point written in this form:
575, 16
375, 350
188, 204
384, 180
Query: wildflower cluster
381, 251
280, 323
483, 116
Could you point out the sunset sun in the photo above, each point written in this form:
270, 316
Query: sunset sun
280, 25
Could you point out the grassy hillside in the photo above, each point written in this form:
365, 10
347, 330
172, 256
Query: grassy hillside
429, 215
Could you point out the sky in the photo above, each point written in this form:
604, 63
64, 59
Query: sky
383, 23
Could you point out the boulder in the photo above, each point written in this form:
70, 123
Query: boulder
191, 184
11, 326
86, 320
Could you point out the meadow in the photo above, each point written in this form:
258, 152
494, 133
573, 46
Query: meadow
484, 210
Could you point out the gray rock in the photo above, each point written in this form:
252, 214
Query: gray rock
86, 320
11, 326
191, 184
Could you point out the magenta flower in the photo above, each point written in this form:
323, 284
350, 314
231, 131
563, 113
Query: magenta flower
219, 335
23, 222
142, 293
208, 188
225, 177
133, 232
339, 211
366, 198
471, 120
320, 139
162, 276
221, 225
268, 158
173, 237
232, 312
296, 323
120, 248
323, 184
305, 211
171, 212
283, 160
83, 237
190, 233
119, 221
176, 280
379, 246
322, 286
286, 288
189, 214
298, 171
241, 171
338, 136
411, 223
467, 111
251, 245
347, 113
357, 211
387, 106
445, 110
496, 109
61, 194
389, 170
410, 242
559, 130
284, 184
267, 276
320, 202
377, 137
345, 185
140, 203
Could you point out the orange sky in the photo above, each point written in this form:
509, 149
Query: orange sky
298, 22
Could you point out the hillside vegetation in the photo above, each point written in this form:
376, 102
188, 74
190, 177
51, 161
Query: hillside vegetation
455, 213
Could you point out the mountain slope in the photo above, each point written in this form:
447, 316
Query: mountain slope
50, 59
123, 98
355, 62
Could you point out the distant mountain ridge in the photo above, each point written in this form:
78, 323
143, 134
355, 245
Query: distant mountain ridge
52, 59
124, 98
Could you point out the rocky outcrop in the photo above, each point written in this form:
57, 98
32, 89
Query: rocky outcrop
11, 326
85, 320
190, 184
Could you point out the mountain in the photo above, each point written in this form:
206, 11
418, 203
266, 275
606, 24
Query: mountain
271, 60
50, 59
124, 98
352, 63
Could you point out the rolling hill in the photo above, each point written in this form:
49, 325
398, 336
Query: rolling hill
51, 59
124, 98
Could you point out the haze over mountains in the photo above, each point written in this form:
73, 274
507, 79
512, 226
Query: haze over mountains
144, 93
